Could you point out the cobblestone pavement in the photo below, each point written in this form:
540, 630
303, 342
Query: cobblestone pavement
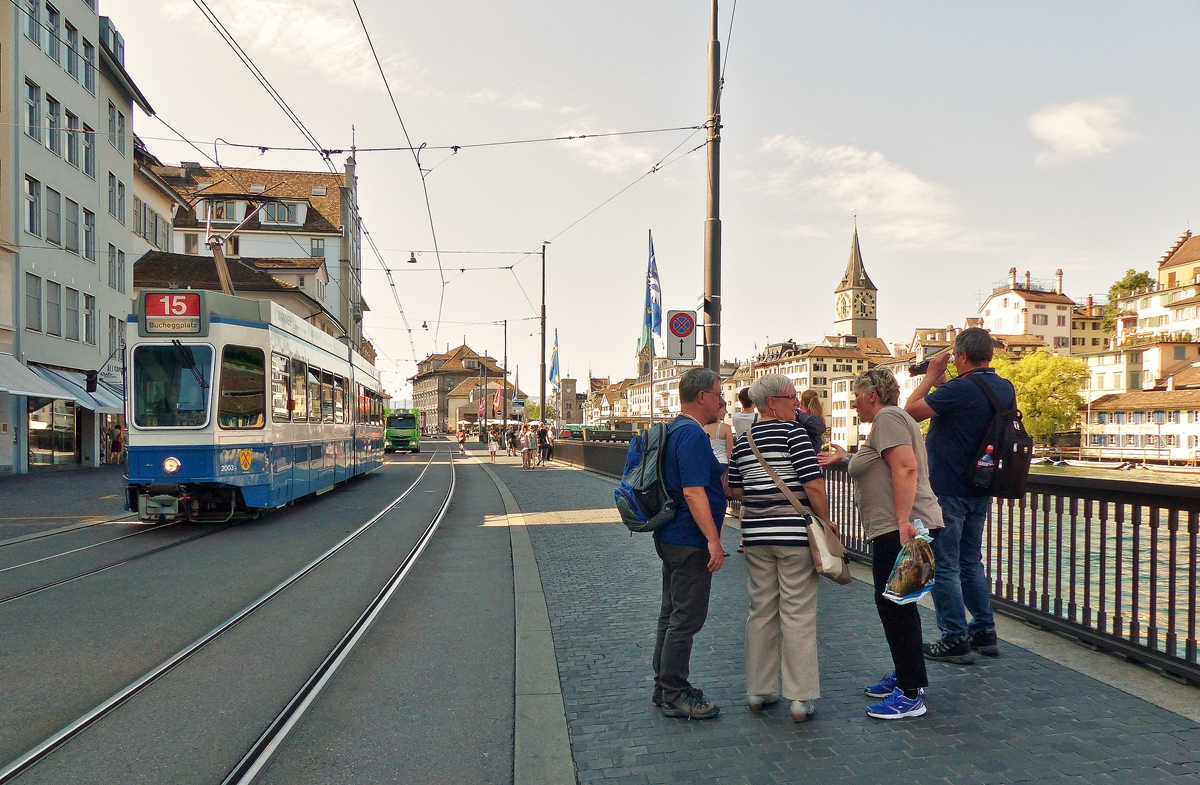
1017, 718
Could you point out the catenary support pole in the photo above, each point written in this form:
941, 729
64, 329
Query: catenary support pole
542, 413
504, 386
712, 223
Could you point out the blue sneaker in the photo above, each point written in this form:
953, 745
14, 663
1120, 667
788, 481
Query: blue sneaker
897, 707
885, 687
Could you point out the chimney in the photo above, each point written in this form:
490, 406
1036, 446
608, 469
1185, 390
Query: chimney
1012, 278
1170, 384
1058, 281
1090, 306
1028, 280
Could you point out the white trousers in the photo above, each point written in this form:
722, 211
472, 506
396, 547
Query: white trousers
781, 630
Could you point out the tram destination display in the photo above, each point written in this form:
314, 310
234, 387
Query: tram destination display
174, 314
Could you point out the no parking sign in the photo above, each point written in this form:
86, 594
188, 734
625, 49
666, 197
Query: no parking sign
681, 343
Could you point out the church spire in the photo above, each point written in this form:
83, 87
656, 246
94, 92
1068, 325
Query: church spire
856, 275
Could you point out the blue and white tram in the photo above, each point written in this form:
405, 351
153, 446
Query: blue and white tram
236, 406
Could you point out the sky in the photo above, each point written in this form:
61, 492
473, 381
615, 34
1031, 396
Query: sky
966, 138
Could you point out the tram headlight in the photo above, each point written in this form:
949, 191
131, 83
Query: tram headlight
171, 465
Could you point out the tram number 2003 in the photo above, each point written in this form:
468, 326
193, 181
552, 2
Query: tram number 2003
228, 468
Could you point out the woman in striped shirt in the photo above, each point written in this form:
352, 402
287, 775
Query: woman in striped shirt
781, 629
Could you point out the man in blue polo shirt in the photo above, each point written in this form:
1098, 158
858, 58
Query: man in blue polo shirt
689, 546
960, 415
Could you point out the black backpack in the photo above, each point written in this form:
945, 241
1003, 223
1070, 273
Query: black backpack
642, 497
1001, 463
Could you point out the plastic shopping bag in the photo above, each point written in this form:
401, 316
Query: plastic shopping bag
912, 575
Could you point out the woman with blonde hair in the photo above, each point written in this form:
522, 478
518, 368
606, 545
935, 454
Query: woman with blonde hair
812, 418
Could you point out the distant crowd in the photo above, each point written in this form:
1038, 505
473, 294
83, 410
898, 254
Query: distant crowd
534, 443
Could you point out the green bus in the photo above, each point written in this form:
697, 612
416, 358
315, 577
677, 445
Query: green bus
402, 431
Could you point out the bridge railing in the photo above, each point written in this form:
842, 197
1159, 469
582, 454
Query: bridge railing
1111, 562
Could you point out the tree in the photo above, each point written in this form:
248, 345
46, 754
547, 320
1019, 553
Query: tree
1132, 280
533, 410
1048, 390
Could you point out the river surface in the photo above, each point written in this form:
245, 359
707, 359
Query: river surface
1136, 475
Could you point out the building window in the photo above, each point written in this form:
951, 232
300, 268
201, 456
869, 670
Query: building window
89, 320
89, 235
1062, 321
318, 247
120, 271
191, 244
1040, 318
53, 308
53, 125
223, 211
33, 26
72, 51
280, 213
53, 28
121, 133
33, 111
89, 152
1173, 417
53, 216
71, 225
112, 123
72, 139
233, 246
89, 68
33, 302
114, 335
112, 194
121, 202
112, 266
33, 206
72, 313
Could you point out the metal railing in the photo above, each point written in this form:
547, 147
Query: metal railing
1112, 563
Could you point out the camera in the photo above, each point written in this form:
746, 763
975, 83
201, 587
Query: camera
921, 365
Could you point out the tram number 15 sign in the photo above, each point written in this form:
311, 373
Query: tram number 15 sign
178, 314
681, 335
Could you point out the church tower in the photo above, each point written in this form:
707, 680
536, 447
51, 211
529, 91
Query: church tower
854, 306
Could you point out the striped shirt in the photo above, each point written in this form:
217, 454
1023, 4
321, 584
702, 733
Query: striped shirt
768, 518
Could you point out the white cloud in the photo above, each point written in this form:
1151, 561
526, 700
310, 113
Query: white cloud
903, 209
610, 153
309, 37
1084, 129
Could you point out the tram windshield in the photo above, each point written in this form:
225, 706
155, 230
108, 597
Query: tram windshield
405, 422
171, 385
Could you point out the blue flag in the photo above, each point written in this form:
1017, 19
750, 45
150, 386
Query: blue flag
652, 319
554, 375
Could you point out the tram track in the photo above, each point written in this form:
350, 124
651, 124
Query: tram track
73, 729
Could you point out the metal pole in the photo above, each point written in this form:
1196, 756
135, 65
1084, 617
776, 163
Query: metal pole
712, 223
543, 382
505, 385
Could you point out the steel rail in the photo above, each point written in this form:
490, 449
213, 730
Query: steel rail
65, 530
60, 737
264, 749
155, 527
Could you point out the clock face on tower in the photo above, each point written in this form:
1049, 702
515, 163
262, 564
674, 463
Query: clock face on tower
843, 305
864, 305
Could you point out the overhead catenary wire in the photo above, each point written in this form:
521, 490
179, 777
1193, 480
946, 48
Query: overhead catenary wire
417, 160
392, 284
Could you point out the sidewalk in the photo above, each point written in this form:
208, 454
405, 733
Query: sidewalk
41, 501
1016, 718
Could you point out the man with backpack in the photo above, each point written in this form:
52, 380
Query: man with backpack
689, 545
961, 413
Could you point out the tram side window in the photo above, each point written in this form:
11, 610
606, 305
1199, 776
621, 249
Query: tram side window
339, 399
326, 397
280, 383
314, 394
362, 405
242, 402
299, 397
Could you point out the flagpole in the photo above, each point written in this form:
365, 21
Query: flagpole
505, 377
542, 413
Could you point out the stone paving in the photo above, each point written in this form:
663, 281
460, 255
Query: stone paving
1017, 718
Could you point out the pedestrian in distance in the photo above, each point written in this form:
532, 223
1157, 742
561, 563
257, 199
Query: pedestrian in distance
493, 444
959, 414
462, 441
891, 473
720, 436
116, 444
543, 444
741, 422
510, 441
689, 545
781, 627
811, 417
528, 447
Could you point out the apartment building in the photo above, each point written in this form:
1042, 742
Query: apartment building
65, 239
1153, 426
1031, 307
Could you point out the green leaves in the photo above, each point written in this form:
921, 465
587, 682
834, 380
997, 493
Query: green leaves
1048, 390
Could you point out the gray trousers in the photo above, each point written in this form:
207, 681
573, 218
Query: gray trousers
686, 584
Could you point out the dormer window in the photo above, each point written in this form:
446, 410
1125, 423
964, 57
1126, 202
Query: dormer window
280, 213
318, 190
257, 189
223, 211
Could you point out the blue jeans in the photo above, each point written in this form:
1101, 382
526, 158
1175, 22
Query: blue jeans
960, 584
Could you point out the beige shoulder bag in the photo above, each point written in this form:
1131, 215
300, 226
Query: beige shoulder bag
828, 553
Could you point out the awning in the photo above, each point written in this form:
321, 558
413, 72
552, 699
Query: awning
16, 379
74, 384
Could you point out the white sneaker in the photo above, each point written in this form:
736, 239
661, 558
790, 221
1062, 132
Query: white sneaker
802, 710
756, 702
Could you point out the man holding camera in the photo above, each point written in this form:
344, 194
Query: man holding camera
960, 415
